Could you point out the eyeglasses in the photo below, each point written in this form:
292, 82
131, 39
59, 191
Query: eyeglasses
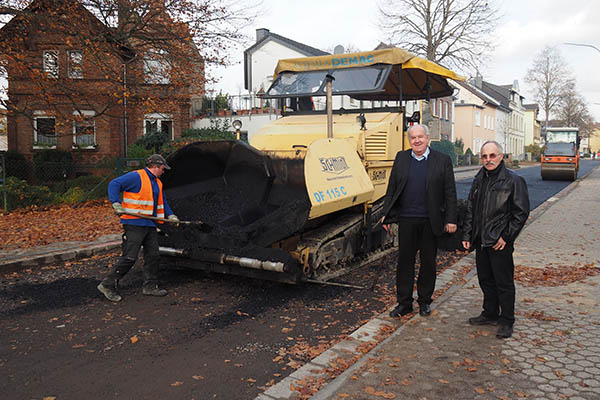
488, 156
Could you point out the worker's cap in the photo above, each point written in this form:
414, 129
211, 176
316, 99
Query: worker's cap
157, 159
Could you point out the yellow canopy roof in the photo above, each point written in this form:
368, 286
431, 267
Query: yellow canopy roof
393, 56
421, 78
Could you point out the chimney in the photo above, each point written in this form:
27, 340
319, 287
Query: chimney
478, 81
261, 33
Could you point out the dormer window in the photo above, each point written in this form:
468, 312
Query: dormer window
50, 63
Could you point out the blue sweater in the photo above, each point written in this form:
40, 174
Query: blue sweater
131, 182
413, 200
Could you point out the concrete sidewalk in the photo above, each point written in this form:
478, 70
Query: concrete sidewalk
555, 349
14, 260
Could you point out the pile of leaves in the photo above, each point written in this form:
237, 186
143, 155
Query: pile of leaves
26, 228
554, 276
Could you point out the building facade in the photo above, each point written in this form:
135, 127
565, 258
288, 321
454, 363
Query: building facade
77, 104
532, 127
475, 116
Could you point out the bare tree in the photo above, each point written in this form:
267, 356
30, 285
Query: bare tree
550, 77
455, 33
348, 48
573, 110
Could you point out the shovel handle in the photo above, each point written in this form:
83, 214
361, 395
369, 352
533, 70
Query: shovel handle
162, 219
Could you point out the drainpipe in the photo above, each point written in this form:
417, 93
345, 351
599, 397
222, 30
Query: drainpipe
125, 131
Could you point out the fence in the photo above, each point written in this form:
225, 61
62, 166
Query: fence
26, 183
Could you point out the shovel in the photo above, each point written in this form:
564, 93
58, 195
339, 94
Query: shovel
169, 221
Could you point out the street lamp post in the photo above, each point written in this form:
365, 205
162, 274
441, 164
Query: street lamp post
583, 45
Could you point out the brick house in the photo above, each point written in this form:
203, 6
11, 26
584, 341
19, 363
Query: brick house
94, 99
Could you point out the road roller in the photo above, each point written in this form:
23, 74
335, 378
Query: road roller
302, 200
560, 159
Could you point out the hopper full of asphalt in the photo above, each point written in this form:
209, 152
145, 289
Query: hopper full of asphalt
249, 200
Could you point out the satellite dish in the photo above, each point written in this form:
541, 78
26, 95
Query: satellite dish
339, 49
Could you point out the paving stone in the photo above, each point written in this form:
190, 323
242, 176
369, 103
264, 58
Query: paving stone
592, 383
541, 368
538, 379
572, 379
547, 388
559, 383
583, 375
567, 392
585, 363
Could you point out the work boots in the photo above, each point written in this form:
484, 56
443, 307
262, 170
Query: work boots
110, 292
154, 290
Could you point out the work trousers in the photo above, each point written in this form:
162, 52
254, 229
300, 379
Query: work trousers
415, 234
135, 237
495, 271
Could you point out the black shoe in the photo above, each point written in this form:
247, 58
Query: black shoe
504, 331
109, 292
424, 310
154, 291
482, 320
400, 310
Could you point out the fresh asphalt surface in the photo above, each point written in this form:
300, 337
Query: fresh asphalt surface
539, 190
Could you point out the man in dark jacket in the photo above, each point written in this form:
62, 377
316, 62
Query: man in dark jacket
421, 198
497, 209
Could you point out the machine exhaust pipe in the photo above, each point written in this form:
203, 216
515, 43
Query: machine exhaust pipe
221, 258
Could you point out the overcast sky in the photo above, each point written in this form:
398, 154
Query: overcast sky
525, 28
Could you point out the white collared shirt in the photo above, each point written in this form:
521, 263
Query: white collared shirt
424, 156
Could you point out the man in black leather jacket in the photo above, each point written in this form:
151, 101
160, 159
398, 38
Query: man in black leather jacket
497, 209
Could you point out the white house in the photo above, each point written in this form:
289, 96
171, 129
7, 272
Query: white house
261, 58
510, 128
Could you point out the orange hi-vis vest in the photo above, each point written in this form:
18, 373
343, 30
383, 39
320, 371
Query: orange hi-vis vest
142, 202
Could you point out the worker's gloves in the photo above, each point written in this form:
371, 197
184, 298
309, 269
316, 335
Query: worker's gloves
119, 210
173, 218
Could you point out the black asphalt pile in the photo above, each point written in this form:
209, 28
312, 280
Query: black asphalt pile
236, 194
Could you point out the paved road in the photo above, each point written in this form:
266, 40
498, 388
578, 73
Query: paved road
539, 190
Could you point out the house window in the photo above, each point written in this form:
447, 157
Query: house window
84, 129
156, 68
44, 131
51, 63
477, 118
434, 108
75, 60
159, 123
446, 110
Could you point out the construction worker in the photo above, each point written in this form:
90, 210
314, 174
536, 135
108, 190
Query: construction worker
143, 195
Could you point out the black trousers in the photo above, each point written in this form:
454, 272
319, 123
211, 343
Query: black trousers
415, 234
495, 271
135, 237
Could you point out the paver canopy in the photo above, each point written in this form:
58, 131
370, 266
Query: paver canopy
420, 79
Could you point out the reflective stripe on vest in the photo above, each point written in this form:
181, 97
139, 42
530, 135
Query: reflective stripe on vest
142, 202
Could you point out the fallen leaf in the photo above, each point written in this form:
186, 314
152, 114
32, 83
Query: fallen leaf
480, 390
443, 381
177, 383
134, 339
198, 377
